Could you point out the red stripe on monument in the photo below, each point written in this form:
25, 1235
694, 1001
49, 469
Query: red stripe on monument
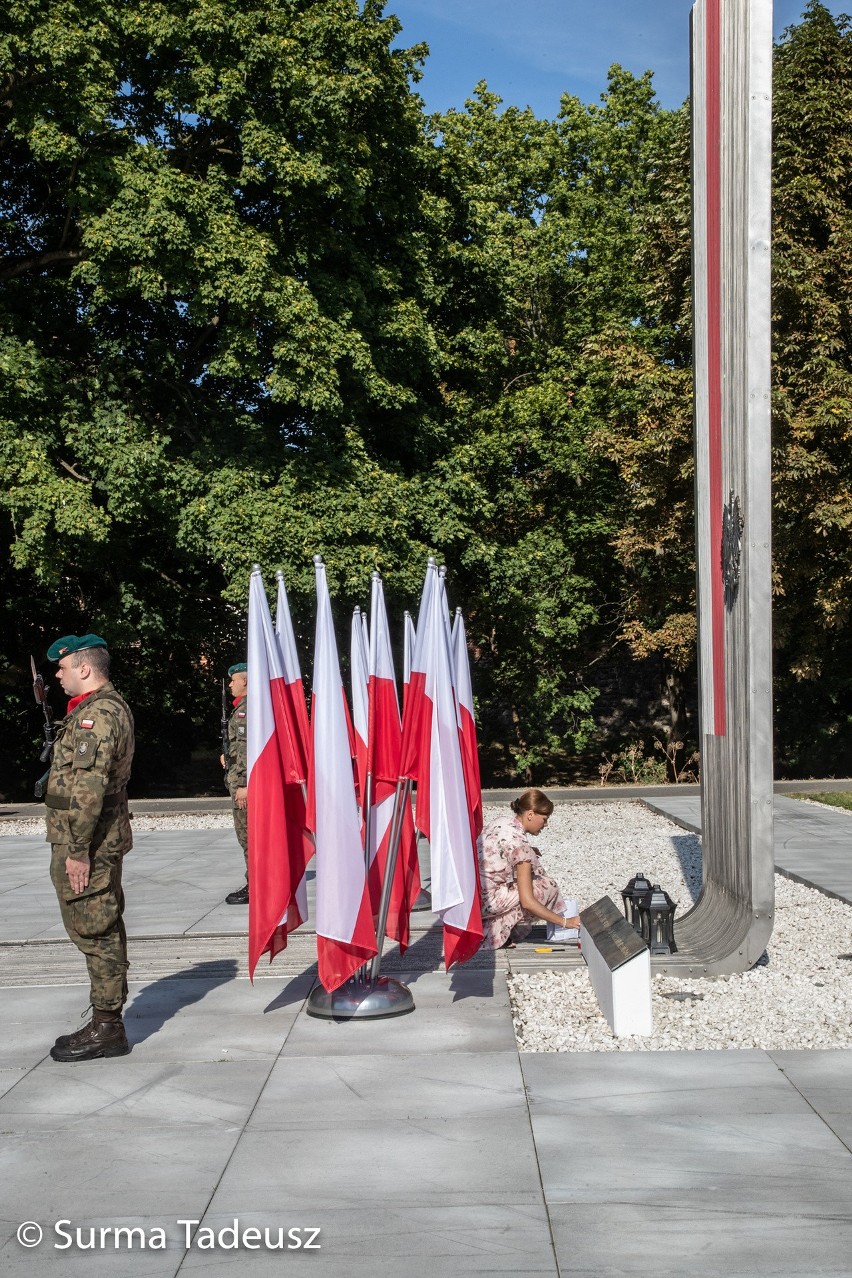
713, 70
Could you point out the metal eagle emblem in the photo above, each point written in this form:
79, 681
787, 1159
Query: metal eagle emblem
732, 542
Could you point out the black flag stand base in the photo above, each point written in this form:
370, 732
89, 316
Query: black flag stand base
361, 1000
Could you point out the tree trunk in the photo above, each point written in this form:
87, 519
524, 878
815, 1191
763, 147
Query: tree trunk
675, 694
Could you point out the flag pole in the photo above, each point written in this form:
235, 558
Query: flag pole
361, 997
403, 787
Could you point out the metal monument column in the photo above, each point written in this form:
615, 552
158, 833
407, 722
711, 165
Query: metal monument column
731, 922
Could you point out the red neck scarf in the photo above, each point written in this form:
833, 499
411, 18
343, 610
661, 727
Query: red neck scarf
75, 701
238, 699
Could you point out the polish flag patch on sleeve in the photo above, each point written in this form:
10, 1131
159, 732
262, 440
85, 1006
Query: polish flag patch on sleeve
87, 723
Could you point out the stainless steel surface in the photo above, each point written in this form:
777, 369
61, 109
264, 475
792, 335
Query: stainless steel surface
729, 926
361, 1000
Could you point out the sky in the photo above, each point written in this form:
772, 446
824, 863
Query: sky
532, 51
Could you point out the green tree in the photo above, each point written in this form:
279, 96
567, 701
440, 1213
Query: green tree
641, 396
645, 384
552, 210
213, 260
812, 396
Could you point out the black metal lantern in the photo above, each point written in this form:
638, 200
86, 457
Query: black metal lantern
631, 895
656, 918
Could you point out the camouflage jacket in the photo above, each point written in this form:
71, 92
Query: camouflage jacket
87, 788
237, 760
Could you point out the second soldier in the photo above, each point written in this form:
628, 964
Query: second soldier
235, 764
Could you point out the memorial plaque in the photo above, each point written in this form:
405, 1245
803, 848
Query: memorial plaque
614, 938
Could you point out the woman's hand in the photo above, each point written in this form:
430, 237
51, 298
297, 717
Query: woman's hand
530, 902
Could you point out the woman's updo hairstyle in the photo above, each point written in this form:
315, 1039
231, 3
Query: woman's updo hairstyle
532, 801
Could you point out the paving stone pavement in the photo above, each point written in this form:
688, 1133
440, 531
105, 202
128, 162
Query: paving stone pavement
813, 843
425, 1143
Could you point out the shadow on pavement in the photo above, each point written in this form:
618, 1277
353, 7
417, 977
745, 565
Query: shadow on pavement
163, 999
684, 846
295, 991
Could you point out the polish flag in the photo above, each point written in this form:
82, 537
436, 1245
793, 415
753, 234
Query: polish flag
383, 765
292, 675
442, 807
346, 937
295, 690
358, 667
409, 636
278, 849
467, 726
414, 724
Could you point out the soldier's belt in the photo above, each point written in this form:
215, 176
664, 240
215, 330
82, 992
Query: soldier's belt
63, 803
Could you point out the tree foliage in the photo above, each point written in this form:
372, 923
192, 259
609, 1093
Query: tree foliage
214, 262
646, 423
256, 305
812, 395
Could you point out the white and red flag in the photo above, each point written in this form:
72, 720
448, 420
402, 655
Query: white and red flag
409, 638
277, 839
295, 691
435, 762
467, 725
346, 937
359, 674
415, 727
292, 674
383, 765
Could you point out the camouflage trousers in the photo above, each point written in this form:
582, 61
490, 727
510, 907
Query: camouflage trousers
241, 828
93, 922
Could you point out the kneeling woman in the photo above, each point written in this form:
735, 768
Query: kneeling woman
515, 888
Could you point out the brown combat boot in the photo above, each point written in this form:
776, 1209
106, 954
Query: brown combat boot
103, 1036
65, 1039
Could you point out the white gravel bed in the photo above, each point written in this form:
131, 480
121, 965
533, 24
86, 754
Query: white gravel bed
799, 995
142, 824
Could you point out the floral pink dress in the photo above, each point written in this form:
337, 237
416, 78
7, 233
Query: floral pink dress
502, 844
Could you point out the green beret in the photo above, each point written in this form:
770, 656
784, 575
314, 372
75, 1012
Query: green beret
73, 643
239, 668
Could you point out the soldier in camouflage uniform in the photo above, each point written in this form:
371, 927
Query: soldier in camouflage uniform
236, 770
88, 827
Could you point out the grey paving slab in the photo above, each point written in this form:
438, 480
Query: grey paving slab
480, 1021
10, 1076
170, 1020
65, 1098
780, 1157
173, 880
231, 1020
698, 1241
21, 1006
138, 1139
782, 1162
817, 1069
392, 1160
112, 1168
382, 1240
25, 925
685, 809
17, 1262
665, 1084
824, 1080
444, 1088
812, 844
33, 1018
